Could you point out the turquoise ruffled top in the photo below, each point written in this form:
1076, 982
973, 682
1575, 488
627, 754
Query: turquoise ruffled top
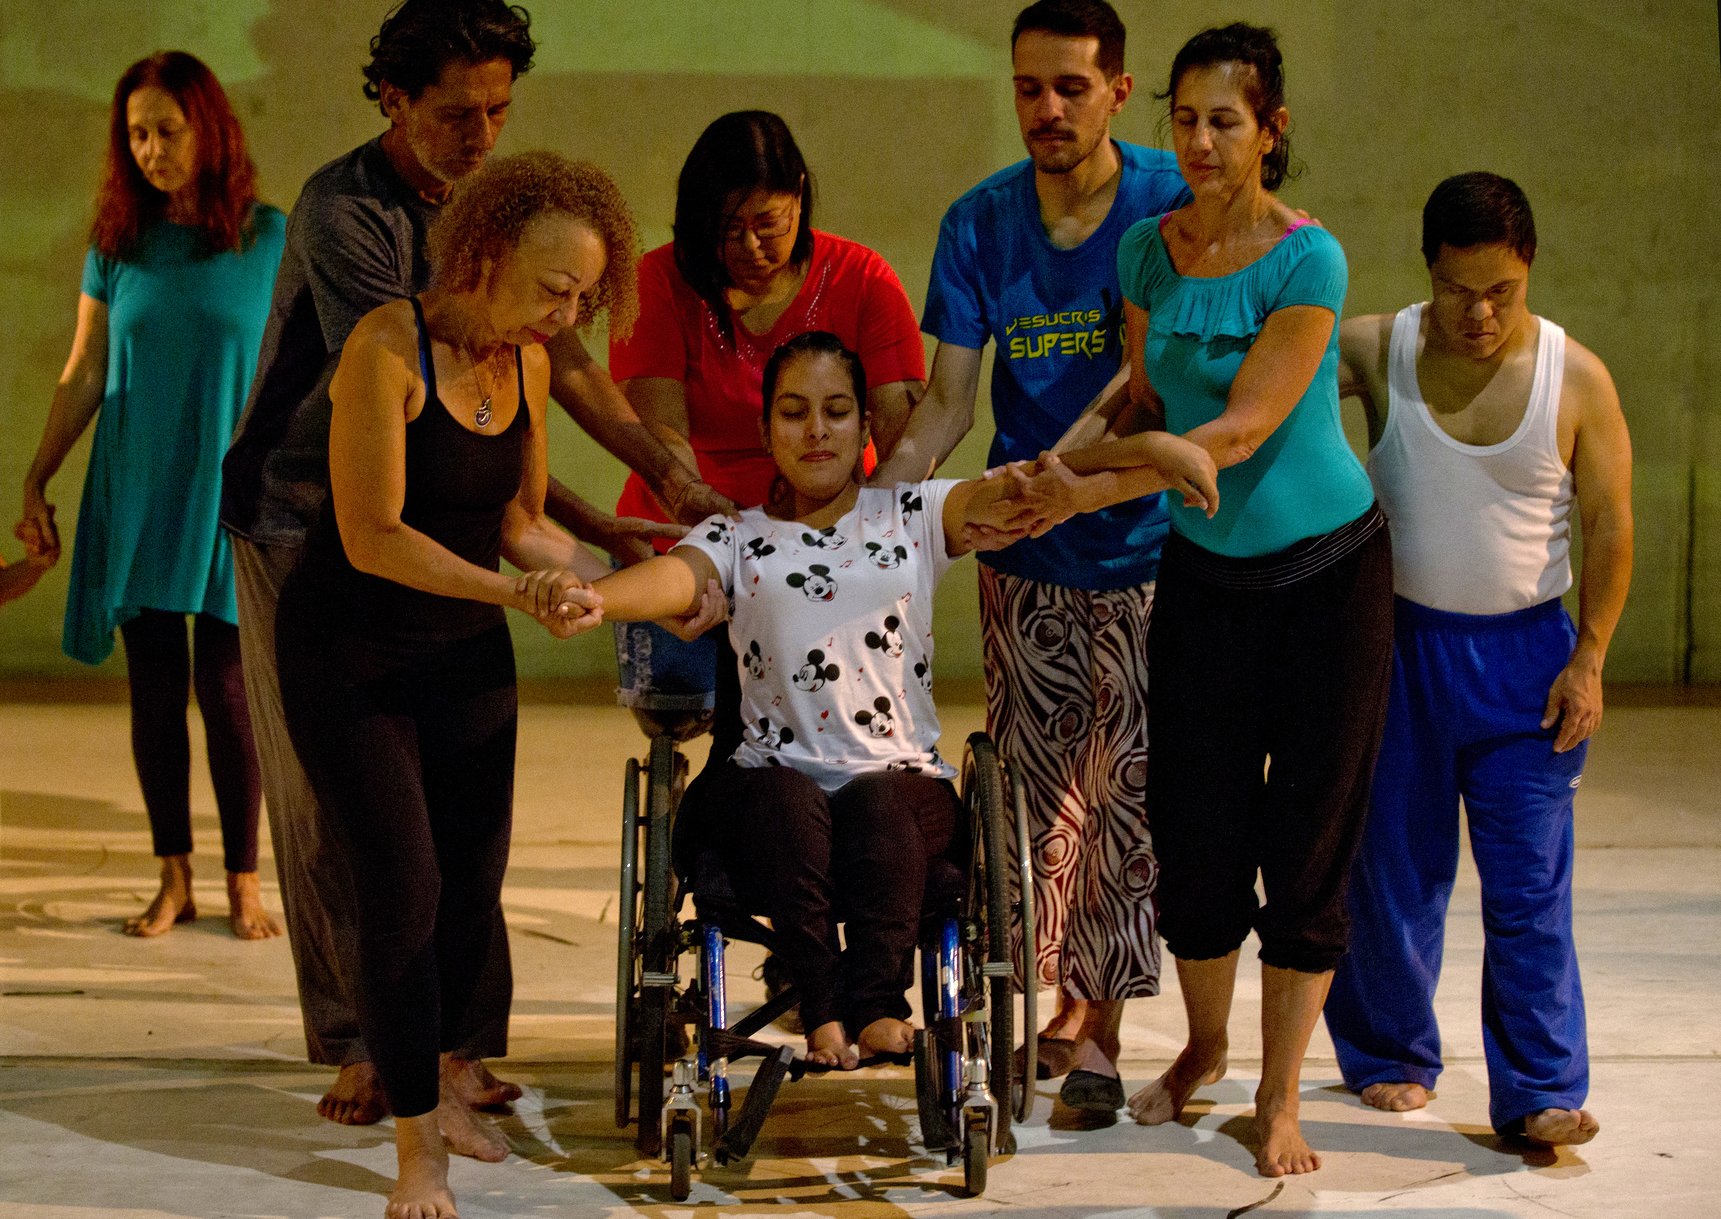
183, 335
1304, 481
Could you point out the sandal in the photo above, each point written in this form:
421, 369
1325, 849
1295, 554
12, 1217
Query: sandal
1091, 1092
1053, 1057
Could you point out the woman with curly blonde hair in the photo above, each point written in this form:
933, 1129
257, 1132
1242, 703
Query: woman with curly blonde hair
397, 674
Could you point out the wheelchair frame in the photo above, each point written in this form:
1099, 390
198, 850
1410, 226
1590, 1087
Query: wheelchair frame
966, 1088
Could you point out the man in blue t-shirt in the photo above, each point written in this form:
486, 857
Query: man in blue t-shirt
1028, 259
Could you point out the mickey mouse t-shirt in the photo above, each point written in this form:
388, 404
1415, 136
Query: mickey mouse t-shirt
833, 628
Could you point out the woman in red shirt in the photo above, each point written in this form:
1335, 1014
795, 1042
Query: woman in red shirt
746, 272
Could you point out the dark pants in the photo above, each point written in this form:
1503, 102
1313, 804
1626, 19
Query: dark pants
414, 770
316, 884
806, 858
1291, 680
161, 675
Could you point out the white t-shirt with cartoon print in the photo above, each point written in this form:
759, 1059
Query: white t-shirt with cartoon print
833, 630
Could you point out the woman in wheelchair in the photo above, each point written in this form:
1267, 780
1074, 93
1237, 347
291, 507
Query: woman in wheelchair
836, 798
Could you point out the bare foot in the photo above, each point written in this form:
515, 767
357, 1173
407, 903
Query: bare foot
421, 1192
245, 913
886, 1036
1163, 1099
1561, 1127
462, 1129
355, 1098
829, 1046
1395, 1098
475, 1085
1283, 1152
173, 903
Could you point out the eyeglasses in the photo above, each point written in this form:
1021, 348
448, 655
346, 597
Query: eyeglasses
768, 226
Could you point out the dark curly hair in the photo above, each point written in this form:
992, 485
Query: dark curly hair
490, 209
126, 203
419, 38
738, 153
1256, 48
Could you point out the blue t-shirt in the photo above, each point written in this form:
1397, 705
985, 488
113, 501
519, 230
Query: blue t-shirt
1304, 480
1057, 317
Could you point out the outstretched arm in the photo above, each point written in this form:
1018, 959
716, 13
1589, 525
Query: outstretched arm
627, 538
938, 421
663, 587
583, 388
1030, 498
1277, 372
1601, 472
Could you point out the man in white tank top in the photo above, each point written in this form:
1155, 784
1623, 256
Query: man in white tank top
1486, 426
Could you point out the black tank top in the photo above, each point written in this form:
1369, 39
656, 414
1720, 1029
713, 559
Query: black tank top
459, 484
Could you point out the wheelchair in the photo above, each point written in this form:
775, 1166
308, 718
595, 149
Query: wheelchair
968, 1090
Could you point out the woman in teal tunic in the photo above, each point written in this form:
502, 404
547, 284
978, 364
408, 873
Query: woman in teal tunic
176, 289
1271, 639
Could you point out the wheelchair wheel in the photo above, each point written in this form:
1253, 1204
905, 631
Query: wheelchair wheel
627, 958
983, 782
1022, 1095
974, 1159
681, 1162
658, 935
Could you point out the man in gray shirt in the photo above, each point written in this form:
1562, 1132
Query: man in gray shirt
442, 71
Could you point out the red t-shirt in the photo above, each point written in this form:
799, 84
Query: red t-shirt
849, 291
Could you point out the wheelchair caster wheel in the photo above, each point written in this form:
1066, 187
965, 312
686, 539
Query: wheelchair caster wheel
681, 1163
974, 1159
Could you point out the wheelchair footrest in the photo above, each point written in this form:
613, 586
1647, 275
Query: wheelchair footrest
737, 1141
721, 1043
871, 1060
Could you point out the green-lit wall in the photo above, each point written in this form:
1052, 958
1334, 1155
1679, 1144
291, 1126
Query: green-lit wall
1605, 113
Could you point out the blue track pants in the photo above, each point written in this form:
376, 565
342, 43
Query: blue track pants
1464, 721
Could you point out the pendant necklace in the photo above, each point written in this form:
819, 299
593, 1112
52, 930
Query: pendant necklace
482, 417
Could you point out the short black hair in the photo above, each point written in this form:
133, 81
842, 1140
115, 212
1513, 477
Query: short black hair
419, 38
1077, 19
810, 343
1478, 208
740, 152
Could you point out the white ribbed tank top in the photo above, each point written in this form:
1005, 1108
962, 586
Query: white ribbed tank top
1476, 529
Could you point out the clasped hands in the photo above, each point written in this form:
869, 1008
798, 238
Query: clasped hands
567, 606
1045, 492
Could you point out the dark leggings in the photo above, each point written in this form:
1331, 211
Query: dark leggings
415, 771
806, 858
160, 673
1291, 680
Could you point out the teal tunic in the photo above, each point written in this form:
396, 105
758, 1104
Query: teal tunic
1304, 480
183, 334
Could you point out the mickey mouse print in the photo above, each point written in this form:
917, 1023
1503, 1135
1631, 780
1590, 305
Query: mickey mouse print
833, 628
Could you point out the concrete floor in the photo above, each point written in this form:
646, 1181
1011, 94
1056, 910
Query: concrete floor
164, 1078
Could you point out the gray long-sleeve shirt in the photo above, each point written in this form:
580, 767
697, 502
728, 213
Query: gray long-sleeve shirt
355, 240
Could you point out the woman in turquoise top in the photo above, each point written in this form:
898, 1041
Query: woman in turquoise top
176, 290
1271, 636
